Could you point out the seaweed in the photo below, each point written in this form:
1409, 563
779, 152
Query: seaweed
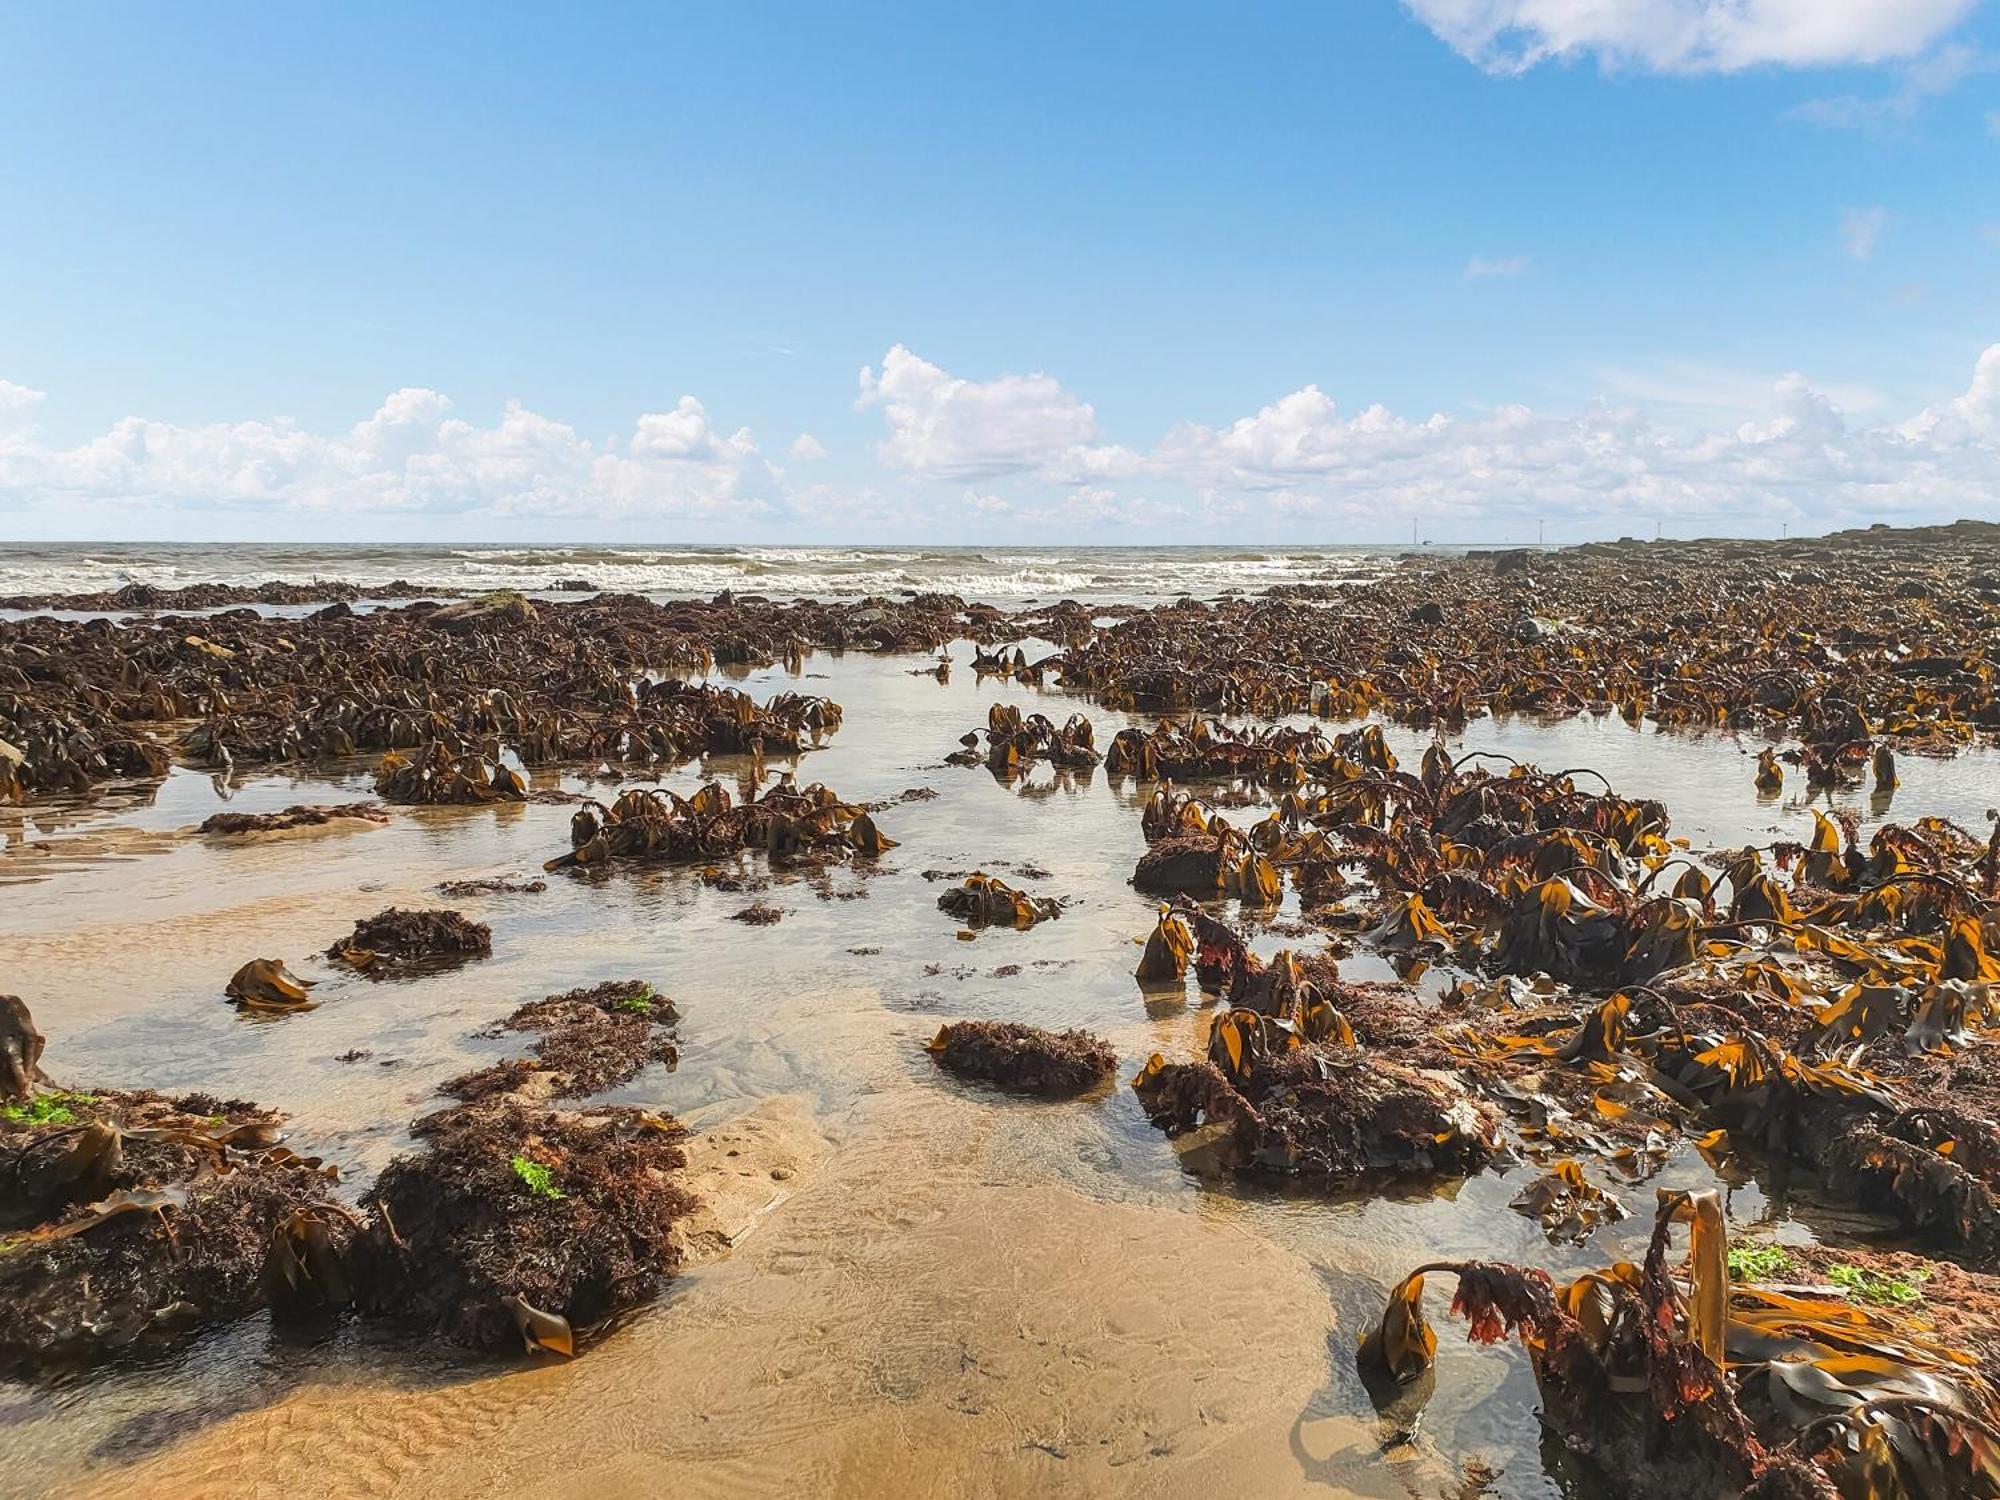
1023, 1059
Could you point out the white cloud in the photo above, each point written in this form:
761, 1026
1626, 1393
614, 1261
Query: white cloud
1024, 453
1717, 392
1917, 82
1300, 461
805, 448
1861, 228
409, 456
1511, 36
18, 404
1512, 265
943, 427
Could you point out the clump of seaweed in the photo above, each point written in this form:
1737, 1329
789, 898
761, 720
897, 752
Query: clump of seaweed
1023, 1059
988, 901
1670, 1384
1014, 741
786, 823
518, 1226
397, 941
590, 1040
127, 1216
296, 816
439, 775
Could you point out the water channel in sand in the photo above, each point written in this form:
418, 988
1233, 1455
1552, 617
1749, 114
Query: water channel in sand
929, 1289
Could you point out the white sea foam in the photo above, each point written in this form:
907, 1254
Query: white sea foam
997, 575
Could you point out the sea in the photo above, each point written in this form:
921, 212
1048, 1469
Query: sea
998, 575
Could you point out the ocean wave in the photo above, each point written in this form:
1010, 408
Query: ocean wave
997, 575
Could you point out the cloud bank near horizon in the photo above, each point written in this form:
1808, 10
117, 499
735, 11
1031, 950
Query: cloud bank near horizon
1024, 452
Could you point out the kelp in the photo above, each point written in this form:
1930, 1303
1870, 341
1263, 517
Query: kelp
1687, 636
397, 941
265, 984
128, 1217
1569, 1205
21, 1047
988, 901
787, 822
588, 1040
437, 775
1023, 1059
1015, 741
522, 1227
1168, 951
1331, 1117
1671, 1384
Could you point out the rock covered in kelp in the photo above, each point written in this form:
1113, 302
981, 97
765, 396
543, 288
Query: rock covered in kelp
297, 816
1336, 1116
492, 885
787, 822
130, 1216
504, 611
516, 1225
986, 900
590, 1040
396, 941
1189, 864
439, 776
1024, 1059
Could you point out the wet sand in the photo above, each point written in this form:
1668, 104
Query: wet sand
927, 1288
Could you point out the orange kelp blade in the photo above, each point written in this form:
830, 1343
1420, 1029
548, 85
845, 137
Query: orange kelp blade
1403, 1344
266, 984
542, 1332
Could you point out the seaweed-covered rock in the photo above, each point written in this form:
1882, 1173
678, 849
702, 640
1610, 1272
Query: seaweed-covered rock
1333, 1115
133, 1216
591, 1040
1024, 1059
986, 900
492, 885
516, 1225
1189, 864
396, 941
297, 816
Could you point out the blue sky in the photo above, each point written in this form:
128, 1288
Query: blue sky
1140, 272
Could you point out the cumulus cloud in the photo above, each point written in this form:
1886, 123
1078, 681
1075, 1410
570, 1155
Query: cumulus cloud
1301, 459
945, 427
1687, 36
410, 456
1861, 228
805, 448
1012, 453
17, 408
